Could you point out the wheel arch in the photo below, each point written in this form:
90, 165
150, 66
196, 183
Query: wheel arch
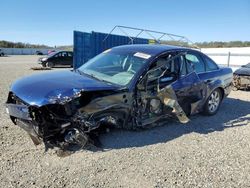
218, 84
222, 92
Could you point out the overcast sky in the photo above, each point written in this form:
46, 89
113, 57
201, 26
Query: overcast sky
52, 22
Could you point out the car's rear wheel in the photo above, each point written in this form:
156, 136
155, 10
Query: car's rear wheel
213, 102
49, 64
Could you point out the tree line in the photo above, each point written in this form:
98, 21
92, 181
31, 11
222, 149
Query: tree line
219, 44
8, 44
213, 44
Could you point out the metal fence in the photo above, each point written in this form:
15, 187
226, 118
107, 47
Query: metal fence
24, 51
233, 60
87, 45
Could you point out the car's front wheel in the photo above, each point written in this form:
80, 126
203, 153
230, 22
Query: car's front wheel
213, 102
44, 64
49, 64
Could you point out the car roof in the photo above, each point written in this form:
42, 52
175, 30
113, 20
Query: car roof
62, 51
152, 49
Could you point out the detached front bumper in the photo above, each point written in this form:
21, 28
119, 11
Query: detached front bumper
39, 61
18, 110
20, 116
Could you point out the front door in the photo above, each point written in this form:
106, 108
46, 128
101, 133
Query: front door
189, 88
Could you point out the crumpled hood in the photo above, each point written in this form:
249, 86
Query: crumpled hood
56, 86
243, 71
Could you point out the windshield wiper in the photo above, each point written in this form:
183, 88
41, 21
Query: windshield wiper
92, 76
102, 80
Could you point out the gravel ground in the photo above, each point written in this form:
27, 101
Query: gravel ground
207, 152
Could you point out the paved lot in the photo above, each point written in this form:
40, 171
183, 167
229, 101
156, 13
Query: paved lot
207, 152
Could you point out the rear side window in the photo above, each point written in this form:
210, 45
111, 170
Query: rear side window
196, 62
210, 65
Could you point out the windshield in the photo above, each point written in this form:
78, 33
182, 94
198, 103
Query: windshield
52, 54
247, 65
115, 67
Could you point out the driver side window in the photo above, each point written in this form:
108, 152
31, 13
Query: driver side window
165, 66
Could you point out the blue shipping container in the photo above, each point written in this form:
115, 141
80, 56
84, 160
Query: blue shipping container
88, 45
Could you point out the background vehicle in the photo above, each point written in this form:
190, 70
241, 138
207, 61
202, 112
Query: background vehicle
61, 58
242, 77
1, 53
131, 87
39, 52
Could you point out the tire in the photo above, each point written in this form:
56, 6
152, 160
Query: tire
49, 64
44, 64
213, 102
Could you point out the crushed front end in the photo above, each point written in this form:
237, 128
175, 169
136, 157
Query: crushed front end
52, 124
241, 81
68, 121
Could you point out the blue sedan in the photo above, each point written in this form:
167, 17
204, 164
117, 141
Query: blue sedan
130, 87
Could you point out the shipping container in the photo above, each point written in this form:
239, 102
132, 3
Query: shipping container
88, 45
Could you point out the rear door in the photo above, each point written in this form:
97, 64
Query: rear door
212, 71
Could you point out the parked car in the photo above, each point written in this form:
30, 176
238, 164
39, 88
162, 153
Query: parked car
61, 58
1, 53
51, 51
130, 87
39, 52
242, 77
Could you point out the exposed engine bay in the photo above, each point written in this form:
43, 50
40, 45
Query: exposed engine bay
241, 82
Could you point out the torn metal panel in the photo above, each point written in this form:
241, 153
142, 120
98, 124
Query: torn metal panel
30, 129
169, 98
62, 98
107, 102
